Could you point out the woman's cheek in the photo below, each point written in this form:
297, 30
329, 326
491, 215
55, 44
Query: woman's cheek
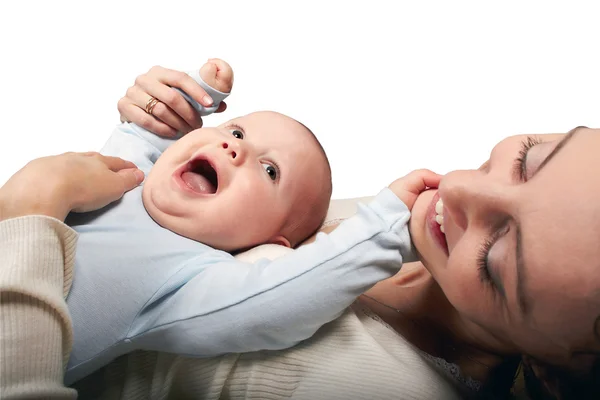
459, 281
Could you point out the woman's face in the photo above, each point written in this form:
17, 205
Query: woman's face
520, 258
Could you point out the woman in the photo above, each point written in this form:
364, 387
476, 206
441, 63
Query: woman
479, 300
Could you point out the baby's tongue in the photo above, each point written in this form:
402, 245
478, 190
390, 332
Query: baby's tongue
198, 182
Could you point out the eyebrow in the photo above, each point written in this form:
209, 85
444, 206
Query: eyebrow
559, 146
523, 299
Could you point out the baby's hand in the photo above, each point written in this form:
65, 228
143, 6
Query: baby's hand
217, 74
409, 187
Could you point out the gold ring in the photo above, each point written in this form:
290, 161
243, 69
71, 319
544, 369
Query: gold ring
150, 104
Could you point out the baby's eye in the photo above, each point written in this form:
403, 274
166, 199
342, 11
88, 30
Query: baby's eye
238, 134
270, 170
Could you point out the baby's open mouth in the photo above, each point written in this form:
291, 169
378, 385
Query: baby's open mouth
201, 177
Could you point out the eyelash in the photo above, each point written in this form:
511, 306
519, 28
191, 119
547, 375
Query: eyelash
484, 251
273, 163
482, 267
238, 128
520, 169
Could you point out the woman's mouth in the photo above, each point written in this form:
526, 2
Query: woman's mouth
435, 222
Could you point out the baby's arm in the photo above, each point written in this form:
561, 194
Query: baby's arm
238, 307
134, 143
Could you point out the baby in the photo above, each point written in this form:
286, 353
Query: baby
260, 178
154, 270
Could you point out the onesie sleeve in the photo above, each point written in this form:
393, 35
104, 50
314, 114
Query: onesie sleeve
232, 306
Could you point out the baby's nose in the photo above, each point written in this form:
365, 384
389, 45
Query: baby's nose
235, 151
231, 152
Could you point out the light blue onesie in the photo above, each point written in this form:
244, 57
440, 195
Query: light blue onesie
140, 286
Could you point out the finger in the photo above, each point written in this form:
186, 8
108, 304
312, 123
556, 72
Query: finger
160, 85
174, 100
432, 180
184, 82
109, 187
116, 164
423, 179
148, 122
161, 111
131, 177
123, 106
222, 107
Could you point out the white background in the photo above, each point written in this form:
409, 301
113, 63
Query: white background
388, 86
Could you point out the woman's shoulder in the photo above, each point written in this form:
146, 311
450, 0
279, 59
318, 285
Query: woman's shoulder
400, 348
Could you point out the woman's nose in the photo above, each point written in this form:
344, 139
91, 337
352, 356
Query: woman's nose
235, 150
473, 196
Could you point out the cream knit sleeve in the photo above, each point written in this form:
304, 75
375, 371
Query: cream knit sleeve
36, 263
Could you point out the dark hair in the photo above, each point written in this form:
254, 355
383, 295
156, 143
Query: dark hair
561, 383
502, 378
544, 381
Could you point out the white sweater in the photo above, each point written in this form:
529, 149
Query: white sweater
353, 357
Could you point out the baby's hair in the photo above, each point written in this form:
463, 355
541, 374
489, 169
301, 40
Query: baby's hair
312, 213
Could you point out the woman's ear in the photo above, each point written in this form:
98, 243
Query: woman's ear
579, 380
541, 380
538, 385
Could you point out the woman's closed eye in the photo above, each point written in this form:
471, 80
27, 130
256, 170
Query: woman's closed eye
486, 274
520, 167
534, 154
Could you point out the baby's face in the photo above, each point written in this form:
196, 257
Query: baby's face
237, 185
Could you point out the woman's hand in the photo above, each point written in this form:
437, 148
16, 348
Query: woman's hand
57, 185
172, 113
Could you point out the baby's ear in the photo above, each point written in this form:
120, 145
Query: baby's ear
281, 241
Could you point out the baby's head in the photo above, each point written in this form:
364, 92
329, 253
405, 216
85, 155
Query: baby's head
260, 178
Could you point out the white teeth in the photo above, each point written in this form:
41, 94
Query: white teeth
439, 218
439, 207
